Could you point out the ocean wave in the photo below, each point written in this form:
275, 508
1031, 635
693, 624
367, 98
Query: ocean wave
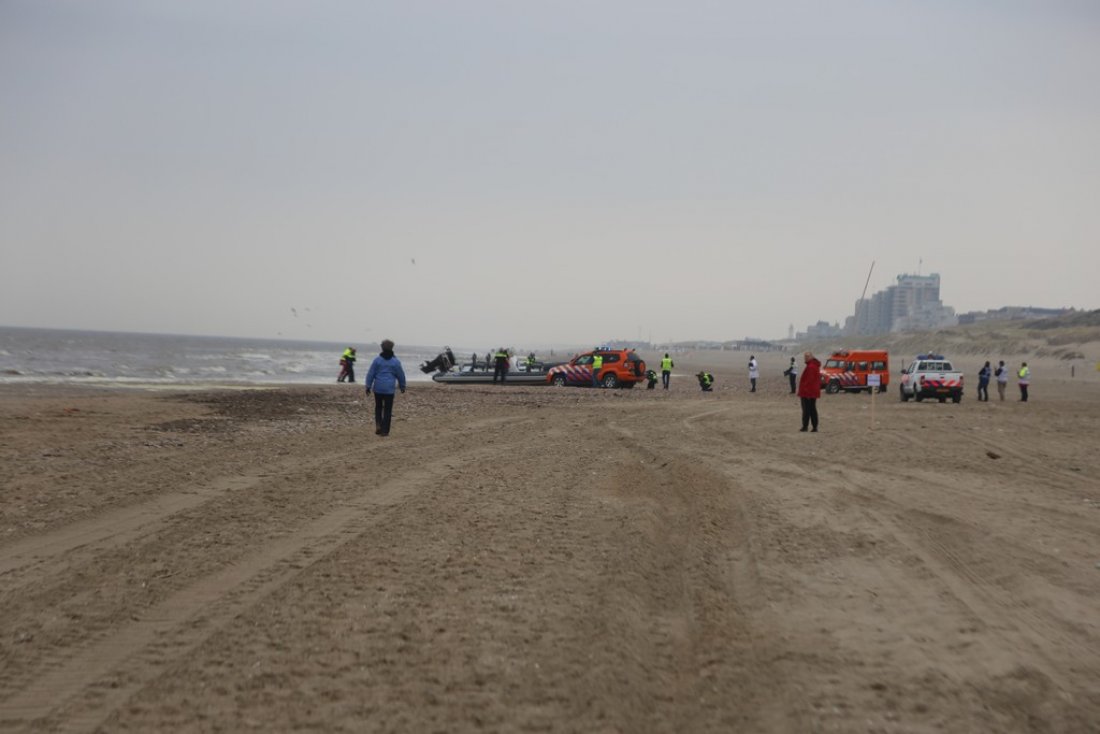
128, 359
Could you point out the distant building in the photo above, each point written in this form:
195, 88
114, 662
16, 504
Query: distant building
627, 344
753, 344
1008, 313
913, 304
820, 330
748, 344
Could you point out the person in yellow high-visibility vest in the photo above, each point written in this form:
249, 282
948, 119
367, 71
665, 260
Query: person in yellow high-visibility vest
666, 370
1024, 379
500, 367
597, 365
347, 365
706, 381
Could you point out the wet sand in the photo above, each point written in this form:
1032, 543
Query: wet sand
550, 559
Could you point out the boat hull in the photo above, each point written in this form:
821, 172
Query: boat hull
486, 378
466, 375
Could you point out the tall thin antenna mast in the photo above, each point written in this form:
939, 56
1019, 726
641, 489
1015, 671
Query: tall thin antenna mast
859, 307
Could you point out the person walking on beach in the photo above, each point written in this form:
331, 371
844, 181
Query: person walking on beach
1024, 378
384, 377
666, 370
500, 366
792, 375
347, 365
983, 382
1002, 379
809, 390
754, 372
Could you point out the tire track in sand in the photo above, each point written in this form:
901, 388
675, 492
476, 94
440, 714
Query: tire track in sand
968, 564
40, 555
110, 529
719, 515
187, 618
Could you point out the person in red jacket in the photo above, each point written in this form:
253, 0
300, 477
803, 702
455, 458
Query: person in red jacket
809, 389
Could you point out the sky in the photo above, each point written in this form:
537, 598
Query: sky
485, 173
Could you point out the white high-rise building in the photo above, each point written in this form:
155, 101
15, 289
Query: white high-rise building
913, 304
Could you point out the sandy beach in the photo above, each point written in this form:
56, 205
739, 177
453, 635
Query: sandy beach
550, 559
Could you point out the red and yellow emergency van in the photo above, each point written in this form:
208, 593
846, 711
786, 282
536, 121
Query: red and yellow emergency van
847, 370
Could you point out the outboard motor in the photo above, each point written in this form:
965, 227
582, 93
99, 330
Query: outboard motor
443, 361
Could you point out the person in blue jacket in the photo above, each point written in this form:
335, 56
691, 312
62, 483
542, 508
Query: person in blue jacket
384, 377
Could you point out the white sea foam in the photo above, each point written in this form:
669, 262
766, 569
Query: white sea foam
50, 356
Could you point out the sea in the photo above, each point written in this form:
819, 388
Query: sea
151, 360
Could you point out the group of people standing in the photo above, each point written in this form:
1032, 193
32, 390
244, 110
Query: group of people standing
386, 376
808, 387
1001, 373
501, 362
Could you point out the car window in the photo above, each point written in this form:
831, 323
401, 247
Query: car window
862, 366
923, 366
947, 367
836, 363
608, 358
584, 359
878, 365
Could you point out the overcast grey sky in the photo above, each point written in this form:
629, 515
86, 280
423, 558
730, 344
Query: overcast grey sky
561, 172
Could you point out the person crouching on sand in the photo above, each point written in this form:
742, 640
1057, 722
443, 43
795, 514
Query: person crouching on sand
809, 390
706, 381
384, 376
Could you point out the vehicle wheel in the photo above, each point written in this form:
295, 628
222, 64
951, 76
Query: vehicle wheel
833, 387
956, 398
558, 381
881, 389
904, 396
943, 400
918, 397
610, 381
